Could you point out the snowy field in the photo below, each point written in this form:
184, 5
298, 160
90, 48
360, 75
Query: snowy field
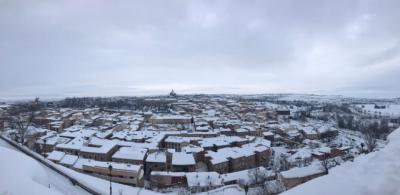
390, 110
374, 173
311, 98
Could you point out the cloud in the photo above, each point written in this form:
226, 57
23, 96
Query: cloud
64, 48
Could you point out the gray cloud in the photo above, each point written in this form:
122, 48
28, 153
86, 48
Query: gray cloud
64, 48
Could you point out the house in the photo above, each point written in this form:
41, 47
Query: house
120, 172
162, 179
203, 181
178, 142
220, 165
262, 156
231, 159
130, 155
283, 114
301, 157
48, 142
68, 160
268, 136
55, 156
156, 161
102, 151
310, 133
71, 147
170, 119
183, 162
327, 132
299, 175
322, 153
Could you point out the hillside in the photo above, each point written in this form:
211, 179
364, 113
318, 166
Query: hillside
18, 170
374, 173
21, 174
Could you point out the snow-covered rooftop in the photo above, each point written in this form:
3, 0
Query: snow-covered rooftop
130, 153
157, 157
182, 158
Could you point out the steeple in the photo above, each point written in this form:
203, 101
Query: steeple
172, 93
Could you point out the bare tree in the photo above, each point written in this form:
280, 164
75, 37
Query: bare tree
281, 163
325, 163
257, 176
257, 179
22, 116
183, 191
369, 139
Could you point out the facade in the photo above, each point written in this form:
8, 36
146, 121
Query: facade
101, 153
167, 179
130, 155
296, 176
170, 119
183, 162
120, 172
156, 161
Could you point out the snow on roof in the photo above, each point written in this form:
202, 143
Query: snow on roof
199, 179
74, 144
52, 139
302, 153
74, 128
245, 175
103, 134
172, 117
55, 155
325, 128
268, 133
130, 153
309, 130
297, 172
79, 163
293, 133
192, 149
69, 159
117, 166
223, 154
324, 150
259, 141
82, 133
221, 141
105, 148
182, 158
157, 157
168, 173
179, 139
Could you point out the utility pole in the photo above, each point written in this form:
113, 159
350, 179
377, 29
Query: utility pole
110, 168
44, 146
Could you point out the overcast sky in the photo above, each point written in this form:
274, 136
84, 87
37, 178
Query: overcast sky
104, 48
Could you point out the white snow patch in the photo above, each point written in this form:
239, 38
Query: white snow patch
374, 173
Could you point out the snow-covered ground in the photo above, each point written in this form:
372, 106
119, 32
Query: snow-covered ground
226, 190
20, 174
375, 173
18, 169
392, 110
311, 98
